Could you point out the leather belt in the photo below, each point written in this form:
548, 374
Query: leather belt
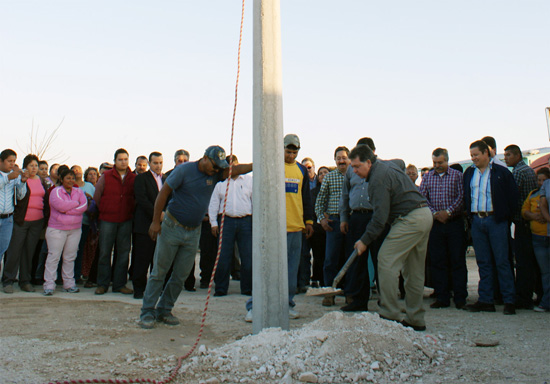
179, 224
361, 210
5, 215
421, 205
483, 214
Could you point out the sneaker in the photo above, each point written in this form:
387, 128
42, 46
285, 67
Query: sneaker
541, 309
292, 314
8, 288
248, 317
48, 292
71, 290
147, 321
168, 319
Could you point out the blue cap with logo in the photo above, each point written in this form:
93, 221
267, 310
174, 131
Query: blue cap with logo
217, 154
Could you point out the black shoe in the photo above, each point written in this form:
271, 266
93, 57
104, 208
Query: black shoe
439, 304
509, 309
138, 295
219, 293
523, 305
190, 289
301, 290
355, 307
460, 304
478, 306
418, 328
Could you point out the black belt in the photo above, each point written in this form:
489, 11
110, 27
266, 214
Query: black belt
482, 214
361, 210
5, 215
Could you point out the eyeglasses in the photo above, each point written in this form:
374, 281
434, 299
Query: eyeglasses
309, 167
216, 168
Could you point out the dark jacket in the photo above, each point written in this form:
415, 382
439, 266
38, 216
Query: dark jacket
504, 192
145, 192
21, 207
307, 201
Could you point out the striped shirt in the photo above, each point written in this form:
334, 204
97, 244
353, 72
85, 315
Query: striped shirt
7, 190
328, 199
481, 190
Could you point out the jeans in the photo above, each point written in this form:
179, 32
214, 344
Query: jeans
446, 247
239, 230
177, 246
6, 228
541, 245
335, 246
491, 238
293, 250
108, 233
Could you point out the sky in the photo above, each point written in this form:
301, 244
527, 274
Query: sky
160, 76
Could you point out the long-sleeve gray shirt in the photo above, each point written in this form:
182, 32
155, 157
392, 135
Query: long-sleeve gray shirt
392, 194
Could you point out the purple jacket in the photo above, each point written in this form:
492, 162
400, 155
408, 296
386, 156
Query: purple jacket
67, 209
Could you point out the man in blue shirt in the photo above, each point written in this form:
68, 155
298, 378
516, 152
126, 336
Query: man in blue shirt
191, 185
12, 180
490, 197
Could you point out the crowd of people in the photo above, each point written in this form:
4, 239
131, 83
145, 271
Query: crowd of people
103, 227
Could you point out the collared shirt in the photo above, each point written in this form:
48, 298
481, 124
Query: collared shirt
355, 195
526, 180
392, 194
239, 199
444, 192
7, 190
328, 199
496, 160
158, 179
313, 183
481, 190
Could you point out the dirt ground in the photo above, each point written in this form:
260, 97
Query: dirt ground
83, 336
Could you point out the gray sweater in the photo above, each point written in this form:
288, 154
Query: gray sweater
392, 194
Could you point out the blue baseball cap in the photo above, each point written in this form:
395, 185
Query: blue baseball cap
217, 154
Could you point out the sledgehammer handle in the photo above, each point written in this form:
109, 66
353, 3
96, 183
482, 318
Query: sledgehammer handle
344, 269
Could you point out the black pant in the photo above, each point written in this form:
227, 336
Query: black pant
446, 247
525, 264
208, 245
144, 251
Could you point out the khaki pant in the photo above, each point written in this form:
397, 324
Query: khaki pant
404, 250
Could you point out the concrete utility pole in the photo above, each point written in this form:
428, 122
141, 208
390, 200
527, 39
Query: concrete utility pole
270, 266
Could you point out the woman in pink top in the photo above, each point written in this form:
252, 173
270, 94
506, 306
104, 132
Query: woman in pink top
67, 206
28, 223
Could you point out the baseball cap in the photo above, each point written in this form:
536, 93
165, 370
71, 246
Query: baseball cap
217, 154
292, 139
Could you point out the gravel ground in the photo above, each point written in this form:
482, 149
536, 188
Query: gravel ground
83, 336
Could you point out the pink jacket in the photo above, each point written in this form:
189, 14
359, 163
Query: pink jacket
67, 209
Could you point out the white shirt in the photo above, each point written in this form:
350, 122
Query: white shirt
239, 199
158, 179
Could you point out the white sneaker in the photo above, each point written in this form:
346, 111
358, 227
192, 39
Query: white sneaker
541, 309
292, 314
248, 317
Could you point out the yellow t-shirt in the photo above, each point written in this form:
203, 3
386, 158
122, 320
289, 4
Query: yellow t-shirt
294, 205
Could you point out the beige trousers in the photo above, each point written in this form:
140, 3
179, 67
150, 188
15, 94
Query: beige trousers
404, 250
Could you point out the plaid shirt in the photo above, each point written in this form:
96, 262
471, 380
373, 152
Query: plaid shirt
526, 180
445, 192
328, 199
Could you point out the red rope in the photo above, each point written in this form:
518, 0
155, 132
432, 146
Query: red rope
175, 370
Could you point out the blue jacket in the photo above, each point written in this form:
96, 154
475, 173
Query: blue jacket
504, 192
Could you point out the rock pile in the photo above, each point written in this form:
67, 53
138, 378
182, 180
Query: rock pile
336, 348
